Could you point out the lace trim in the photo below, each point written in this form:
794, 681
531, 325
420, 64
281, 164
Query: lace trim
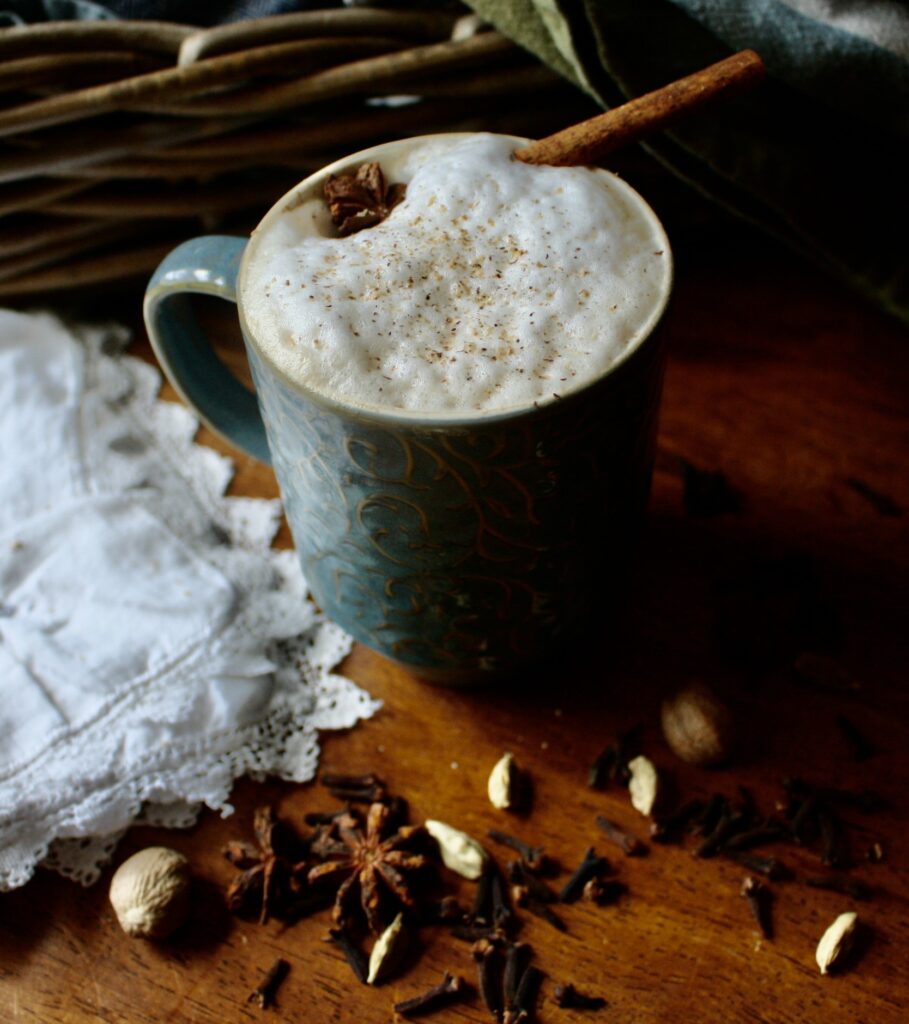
64, 808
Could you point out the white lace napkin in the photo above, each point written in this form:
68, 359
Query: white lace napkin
152, 646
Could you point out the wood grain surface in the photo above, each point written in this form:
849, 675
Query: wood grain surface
795, 390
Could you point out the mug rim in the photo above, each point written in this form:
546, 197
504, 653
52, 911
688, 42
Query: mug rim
410, 418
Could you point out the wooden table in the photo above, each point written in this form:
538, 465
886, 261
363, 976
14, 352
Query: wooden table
793, 388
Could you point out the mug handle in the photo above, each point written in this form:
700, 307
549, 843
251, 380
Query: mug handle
209, 266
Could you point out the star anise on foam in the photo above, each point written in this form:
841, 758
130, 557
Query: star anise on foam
371, 867
271, 869
361, 200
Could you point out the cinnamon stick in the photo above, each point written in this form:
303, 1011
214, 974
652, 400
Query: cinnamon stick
591, 140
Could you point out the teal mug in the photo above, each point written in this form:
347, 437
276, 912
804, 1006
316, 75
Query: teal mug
460, 547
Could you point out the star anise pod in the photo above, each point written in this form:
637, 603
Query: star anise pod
361, 200
370, 866
270, 868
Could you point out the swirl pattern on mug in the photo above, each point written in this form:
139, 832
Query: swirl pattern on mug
465, 548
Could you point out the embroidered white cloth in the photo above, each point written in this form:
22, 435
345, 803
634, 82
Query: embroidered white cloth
152, 646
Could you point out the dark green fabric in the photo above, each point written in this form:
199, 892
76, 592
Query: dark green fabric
826, 175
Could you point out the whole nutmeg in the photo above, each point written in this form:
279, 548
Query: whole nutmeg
698, 726
150, 892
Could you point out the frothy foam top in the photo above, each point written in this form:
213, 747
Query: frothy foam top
493, 285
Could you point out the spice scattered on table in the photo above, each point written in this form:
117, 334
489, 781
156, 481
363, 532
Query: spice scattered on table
263, 995
271, 869
461, 853
150, 892
525, 1000
388, 952
837, 943
629, 844
697, 726
534, 858
490, 972
509, 787
366, 789
569, 998
611, 765
603, 892
372, 867
449, 990
592, 866
644, 784
759, 897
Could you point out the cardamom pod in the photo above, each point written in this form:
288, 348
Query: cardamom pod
502, 782
836, 942
388, 951
461, 853
644, 785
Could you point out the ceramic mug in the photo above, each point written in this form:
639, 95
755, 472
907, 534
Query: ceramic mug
458, 547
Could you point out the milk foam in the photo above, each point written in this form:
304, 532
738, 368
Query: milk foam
494, 285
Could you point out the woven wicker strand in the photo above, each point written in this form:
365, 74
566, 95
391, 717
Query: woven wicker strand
55, 70
78, 36
123, 138
186, 81
419, 26
66, 150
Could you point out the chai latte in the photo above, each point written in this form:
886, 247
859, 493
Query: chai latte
495, 285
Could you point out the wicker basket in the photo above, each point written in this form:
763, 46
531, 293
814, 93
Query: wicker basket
120, 139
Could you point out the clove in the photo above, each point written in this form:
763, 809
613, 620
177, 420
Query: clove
517, 957
489, 974
668, 829
568, 997
338, 780
611, 765
834, 843
525, 999
866, 800
533, 856
759, 898
449, 990
534, 887
590, 867
630, 845
447, 911
729, 824
367, 788
804, 824
603, 893
752, 838
481, 911
769, 867
716, 808
601, 771
264, 993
